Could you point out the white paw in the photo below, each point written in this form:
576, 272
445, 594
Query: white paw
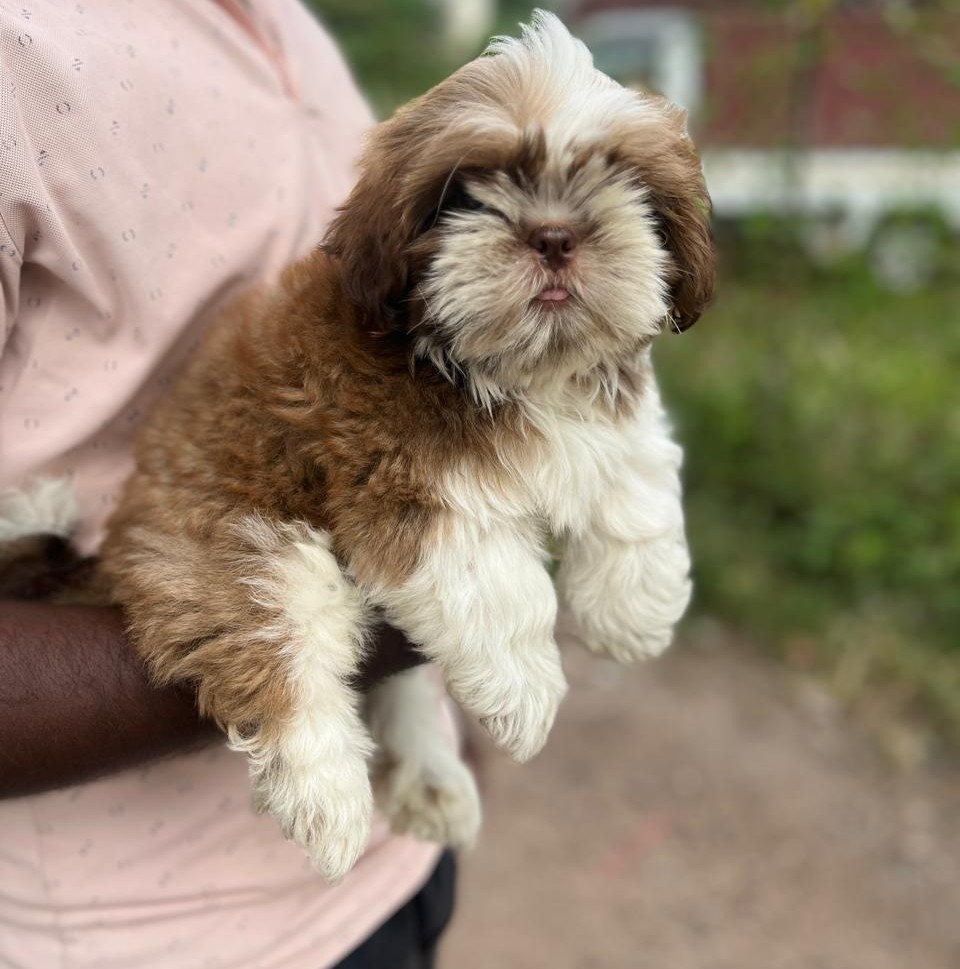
630, 611
632, 630
325, 808
434, 802
628, 647
46, 506
517, 705
521, 733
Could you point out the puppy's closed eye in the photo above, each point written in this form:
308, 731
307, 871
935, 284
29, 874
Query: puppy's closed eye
458, 198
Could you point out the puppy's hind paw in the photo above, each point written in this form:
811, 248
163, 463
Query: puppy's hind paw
434, 802
46, 506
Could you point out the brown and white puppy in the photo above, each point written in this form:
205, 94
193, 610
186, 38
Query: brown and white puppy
460, 372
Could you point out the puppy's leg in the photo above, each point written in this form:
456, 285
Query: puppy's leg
422, 785
261, 619
46, 506
37, 560
481, 605
626, 577
311, 772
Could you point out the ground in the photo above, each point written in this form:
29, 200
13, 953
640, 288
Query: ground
709, 810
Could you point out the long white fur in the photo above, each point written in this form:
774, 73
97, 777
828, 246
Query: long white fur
557, 70
44, 506
625, 568
482, 606
313, 777
482, 603
422, 785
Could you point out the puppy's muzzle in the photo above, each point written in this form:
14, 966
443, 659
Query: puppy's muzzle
554, 244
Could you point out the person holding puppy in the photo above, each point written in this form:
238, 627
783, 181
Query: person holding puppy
156, 161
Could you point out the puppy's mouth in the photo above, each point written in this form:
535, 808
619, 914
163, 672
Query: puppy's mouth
554, 296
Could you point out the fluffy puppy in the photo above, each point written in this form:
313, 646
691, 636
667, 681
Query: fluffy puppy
459, 373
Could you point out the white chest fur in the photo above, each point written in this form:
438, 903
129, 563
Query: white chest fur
569, 464
481, 603
571, 468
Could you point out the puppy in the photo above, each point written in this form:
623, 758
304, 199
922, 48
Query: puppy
458, 375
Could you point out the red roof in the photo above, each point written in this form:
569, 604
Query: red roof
860, 79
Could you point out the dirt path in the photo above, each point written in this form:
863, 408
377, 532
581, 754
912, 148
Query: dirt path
709, 811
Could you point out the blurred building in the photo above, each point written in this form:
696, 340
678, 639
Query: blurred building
466, 24
845, 114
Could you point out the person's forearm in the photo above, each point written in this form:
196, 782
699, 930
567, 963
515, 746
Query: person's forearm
76, 703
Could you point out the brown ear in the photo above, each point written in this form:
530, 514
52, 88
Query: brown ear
372, 230
407, 164
669, 166
684, 211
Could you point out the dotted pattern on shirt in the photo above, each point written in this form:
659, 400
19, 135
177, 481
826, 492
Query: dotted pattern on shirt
161, 158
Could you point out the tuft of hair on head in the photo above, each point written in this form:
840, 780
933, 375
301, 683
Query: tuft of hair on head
545, 39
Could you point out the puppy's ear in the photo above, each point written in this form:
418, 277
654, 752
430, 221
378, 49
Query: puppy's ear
669, 166
372, 231
406, 166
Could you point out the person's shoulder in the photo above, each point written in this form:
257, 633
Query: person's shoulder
324, 82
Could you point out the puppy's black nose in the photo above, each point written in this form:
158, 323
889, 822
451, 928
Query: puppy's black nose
554, 244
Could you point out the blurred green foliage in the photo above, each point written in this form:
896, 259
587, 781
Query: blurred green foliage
395, 49
821, 419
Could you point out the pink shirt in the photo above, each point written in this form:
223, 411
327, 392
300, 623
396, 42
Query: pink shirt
155, 158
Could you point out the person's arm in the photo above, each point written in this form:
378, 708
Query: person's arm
76, 703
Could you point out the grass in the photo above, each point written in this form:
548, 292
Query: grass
821, 419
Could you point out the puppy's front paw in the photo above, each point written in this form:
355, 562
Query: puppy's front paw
324, 807
628, 605
435, 801
625, 645
334, 831
517, 705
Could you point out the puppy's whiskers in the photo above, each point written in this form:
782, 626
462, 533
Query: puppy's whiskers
443, 191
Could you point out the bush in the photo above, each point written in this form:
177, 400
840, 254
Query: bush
822, 429
393, 46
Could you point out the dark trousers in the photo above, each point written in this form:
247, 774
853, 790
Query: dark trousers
408, 940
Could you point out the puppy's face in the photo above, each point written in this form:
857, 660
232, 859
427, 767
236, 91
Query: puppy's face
528, 215
551, 259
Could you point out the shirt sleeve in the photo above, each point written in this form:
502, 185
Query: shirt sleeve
10, 261
14, 153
